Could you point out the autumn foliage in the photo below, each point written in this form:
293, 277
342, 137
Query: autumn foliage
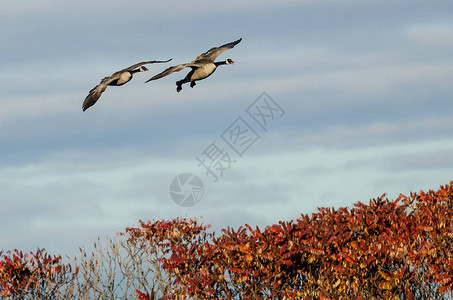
387, 249
401, 249
37, 275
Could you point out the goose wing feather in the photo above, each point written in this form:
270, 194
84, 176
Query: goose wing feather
212, 53
144, 63
170, 70
95, 93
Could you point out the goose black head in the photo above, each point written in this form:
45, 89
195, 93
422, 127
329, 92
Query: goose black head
143, 69
229, 61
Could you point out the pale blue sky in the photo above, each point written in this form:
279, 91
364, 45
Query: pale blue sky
366, 89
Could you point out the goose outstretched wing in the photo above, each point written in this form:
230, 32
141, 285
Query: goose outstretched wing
212, 53
95, 93
144, 63
170, 70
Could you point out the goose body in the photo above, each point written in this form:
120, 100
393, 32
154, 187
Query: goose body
203, 71
116, 79
202, 67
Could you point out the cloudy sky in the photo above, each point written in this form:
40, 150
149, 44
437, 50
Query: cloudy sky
365, 87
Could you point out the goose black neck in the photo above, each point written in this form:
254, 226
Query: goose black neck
219, 63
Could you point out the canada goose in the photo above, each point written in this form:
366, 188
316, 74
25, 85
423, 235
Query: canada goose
203, 66
116, 79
